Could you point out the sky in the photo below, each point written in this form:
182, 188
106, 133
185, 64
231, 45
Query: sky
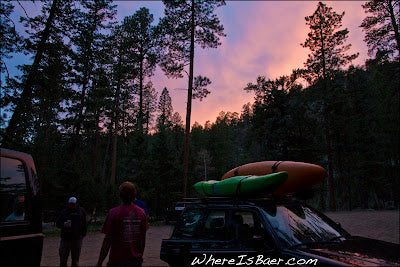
263, 39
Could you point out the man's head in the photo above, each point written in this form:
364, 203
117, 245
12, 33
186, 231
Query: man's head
72, 202
127, 192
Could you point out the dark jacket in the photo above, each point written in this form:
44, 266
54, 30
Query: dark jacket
78, 223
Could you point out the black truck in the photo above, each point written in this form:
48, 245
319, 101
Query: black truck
265, 232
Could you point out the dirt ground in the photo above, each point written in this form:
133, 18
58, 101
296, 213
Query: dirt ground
383, 225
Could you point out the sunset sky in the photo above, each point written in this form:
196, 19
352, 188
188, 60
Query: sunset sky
263, 38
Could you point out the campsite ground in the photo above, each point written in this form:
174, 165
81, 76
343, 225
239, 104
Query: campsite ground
383, 225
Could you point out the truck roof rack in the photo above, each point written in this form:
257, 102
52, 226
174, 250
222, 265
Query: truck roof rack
235, 200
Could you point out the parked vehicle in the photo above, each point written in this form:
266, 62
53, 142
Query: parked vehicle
220, 231
21, 237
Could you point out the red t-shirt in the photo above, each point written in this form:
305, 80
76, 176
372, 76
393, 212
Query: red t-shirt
127, 226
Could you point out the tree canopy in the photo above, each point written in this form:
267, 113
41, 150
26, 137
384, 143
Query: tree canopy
89, 113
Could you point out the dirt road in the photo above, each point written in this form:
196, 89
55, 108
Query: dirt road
383, 225
92, 244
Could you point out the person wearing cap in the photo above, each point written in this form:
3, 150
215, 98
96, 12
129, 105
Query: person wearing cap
72, 221
125, 231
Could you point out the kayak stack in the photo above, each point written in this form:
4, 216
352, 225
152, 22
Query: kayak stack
242, 185
264, 178
301, 175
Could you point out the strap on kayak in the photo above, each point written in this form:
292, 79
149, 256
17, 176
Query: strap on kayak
240, 183
275, 166
213, 189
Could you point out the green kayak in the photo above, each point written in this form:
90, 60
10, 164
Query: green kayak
242, 185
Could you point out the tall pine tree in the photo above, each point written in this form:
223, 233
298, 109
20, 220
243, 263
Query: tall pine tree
53, 14
143, 43
328, 54
187, 23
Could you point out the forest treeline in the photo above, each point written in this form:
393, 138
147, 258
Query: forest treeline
86, 109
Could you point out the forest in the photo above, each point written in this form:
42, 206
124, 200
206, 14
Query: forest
88, 113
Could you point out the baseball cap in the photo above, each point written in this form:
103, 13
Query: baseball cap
20, 199
72, 200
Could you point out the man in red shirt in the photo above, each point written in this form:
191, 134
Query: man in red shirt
125, 229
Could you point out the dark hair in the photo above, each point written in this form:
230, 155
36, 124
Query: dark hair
127, 192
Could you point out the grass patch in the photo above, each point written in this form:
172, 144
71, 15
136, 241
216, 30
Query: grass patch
156, 223
92, 228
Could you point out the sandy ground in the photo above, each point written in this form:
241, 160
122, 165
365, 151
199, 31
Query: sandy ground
383, 225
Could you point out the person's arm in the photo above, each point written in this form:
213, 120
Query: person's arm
104, 249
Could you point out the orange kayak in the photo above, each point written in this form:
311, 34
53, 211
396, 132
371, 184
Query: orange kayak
300, 175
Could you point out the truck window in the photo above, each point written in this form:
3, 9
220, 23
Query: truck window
12, 190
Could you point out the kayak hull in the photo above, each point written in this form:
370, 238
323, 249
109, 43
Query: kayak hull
300, 175
242, 185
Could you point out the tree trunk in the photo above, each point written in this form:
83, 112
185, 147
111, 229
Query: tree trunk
95, 148
103, 172
79, 116
78, 124
114, 153
115, 132
189, 105
24, 104
394, 24
141, 96
332, 203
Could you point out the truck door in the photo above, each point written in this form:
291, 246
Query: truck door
21, 238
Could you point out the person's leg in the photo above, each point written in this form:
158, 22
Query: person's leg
76, 251
63, 251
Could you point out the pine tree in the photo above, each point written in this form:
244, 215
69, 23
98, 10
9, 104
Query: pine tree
93, 19
382, 28
328, 54
276, 117
10, 40
186, 23
326, 42
149, 104
165, 110
43, 27
143, 43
